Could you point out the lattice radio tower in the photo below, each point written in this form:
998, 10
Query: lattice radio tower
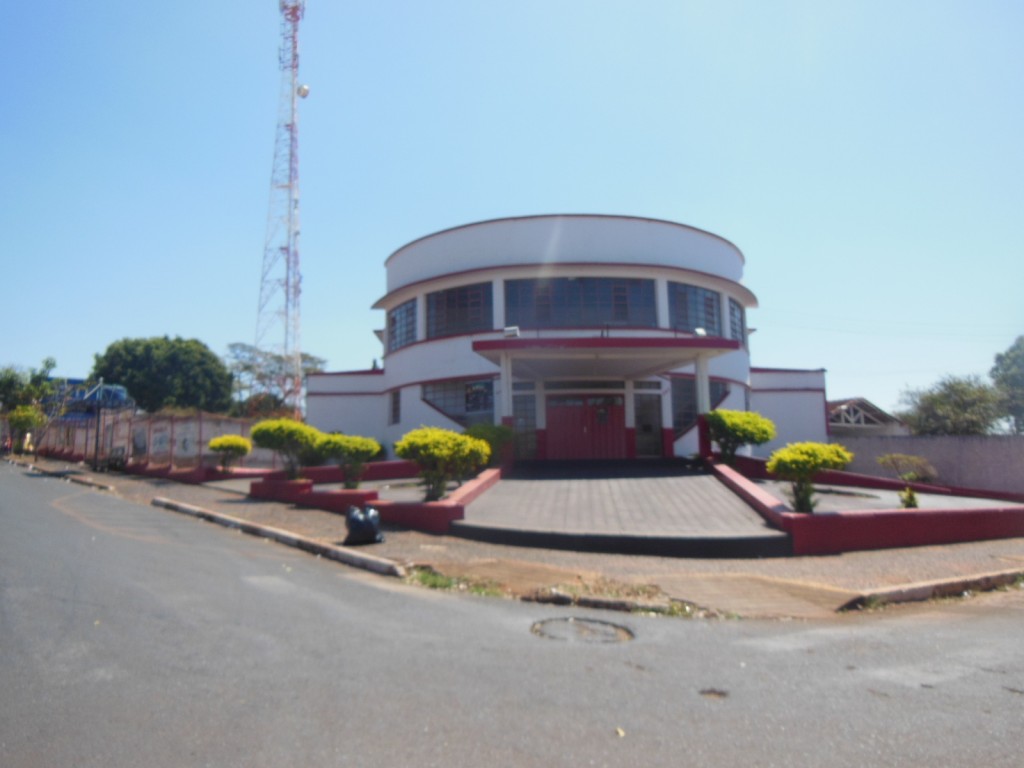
278, 318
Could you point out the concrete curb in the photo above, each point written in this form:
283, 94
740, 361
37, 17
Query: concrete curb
928, 590
86, 481
344, 555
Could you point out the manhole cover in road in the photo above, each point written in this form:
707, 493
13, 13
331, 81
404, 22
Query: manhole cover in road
582, 631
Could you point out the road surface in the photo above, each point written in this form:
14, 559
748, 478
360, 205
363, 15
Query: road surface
132, 636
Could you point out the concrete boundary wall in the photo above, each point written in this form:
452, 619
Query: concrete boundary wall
992, 462
157, 440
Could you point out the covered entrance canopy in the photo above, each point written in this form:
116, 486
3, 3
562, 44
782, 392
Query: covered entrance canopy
589, 427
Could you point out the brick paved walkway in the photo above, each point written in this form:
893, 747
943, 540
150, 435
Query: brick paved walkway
685, 505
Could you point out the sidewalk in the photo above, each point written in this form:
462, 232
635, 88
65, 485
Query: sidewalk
792, 587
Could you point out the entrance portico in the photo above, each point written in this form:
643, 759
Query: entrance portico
584, 393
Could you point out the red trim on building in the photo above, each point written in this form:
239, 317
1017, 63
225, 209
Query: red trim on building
783, 390
519, 344
372, 371
387, 298
788, 370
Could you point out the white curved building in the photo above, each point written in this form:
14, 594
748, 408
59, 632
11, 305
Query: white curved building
594, 337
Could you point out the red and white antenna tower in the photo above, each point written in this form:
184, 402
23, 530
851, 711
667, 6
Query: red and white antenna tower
278, 319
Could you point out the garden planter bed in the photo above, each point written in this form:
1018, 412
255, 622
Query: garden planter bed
832, 533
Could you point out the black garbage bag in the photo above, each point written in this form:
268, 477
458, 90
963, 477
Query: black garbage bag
363, 526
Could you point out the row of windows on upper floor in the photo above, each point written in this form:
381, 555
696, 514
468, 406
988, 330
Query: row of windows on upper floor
565, 302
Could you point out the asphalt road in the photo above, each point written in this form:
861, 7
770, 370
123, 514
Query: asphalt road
131, 636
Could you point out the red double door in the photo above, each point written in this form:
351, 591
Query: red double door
586, 427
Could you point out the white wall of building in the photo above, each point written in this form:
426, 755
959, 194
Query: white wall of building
540, 239
794, 400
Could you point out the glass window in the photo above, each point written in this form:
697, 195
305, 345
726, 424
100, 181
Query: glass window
737, 326
691, 307
684, 401
402, 325
395, 414
566, 302
464, 402
459, 310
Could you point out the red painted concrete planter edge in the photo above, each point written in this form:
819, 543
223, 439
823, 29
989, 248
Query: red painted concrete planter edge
837, 532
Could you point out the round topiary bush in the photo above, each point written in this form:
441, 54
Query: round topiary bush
442, 456
230, 448
734, 429
351, 452
293, 441
800, 462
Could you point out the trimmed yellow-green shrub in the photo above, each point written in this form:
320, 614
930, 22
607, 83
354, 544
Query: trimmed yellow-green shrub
497, 436
230, 448
800, 462
442, 456
351, 452
733, 429
295, 442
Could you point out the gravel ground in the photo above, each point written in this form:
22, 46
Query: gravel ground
522, 570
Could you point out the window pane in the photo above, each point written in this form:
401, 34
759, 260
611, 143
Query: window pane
684, 401
736, 322
459, 310
580, 302
402, 325
464, 402
691, 307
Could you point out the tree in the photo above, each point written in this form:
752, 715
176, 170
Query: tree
22, 420
1008, 375
954, 406
161, 372
800, 462
18, 387
260, 374
732, 429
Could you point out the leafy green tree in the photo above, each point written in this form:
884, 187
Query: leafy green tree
800, 462
1008, 375
230, 448
351, 452
18, 387
442, 456
161, 372
22, 420
733, 429
954, 406
296, 443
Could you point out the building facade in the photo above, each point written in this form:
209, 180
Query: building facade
593, 337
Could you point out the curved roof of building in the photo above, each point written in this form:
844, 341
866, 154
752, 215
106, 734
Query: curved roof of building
563, 238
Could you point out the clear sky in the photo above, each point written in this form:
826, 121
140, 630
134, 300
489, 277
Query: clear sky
867, 157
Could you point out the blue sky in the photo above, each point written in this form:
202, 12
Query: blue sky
866, 157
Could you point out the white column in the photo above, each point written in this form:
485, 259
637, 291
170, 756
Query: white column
661, 302
703, 385
506, 387
421, 317
498, 304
